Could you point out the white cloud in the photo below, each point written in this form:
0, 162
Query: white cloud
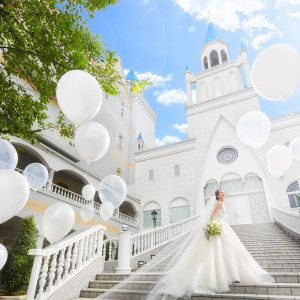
166, 140
192, 28
261, 39
260, 30
157, 80
223, 13
170, 97
294, 14
183, 128
144, 2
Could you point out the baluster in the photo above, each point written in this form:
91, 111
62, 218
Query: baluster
94, 244
110, 251
52, 271
100, 242
135, 246
74, 257
85, 249
139, 245
60, 265
68, 261
104, 250
43, 276
90, 247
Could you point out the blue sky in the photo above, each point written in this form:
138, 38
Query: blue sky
160, 37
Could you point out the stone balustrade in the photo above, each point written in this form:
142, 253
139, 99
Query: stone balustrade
56, 264
287, 220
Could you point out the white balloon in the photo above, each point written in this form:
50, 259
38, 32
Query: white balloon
79, 96
294, 146
280, 158
87, 212
14, 193
57, 221
275, 73
8, 155
36, 175
3, 256
91, 141
88, 192
254, 128
106, 210
112, 189
274, 172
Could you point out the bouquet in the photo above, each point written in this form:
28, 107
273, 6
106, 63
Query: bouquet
213, 228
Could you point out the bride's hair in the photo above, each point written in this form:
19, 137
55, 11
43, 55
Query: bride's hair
217, 194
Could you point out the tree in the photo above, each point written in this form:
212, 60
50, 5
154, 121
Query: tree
40, 40
16, 272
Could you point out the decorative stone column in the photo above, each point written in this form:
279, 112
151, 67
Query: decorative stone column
50, 179
189, 100
124, 253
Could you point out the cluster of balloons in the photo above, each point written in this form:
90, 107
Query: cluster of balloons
15, 187
275, 75
79, 96
112, 192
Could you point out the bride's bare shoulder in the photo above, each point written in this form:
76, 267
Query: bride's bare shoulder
219, 204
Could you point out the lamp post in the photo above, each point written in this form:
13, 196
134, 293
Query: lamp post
154, 217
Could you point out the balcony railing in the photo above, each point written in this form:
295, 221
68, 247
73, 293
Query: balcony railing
58, 190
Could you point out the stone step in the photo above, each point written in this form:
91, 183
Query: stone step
279, 277
261, 289
284, 292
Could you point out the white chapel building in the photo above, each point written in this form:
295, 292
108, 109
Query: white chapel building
175, 180
178, 179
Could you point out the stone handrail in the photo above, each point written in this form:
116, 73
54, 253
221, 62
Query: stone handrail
56, 264
151, 239
289, 221
110, 246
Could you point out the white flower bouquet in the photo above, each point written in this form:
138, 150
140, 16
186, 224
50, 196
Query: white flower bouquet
213, 228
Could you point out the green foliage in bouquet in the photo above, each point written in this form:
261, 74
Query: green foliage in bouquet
212, 229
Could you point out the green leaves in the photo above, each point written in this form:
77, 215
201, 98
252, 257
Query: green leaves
40, 41
16, 272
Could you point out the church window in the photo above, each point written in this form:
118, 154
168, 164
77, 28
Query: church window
119, 172
205, 63
227, 155
293, 192
214, 59
151, 175
223, 56
209, 190
177, 170
179, 210
120, 142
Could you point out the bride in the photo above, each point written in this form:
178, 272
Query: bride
206, 267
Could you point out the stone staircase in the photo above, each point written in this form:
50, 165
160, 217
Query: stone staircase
268, 244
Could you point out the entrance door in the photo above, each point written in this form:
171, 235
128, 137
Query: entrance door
239, 209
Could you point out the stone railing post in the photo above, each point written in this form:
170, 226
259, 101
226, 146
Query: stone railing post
124, 252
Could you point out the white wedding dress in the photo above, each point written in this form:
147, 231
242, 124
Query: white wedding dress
206, 267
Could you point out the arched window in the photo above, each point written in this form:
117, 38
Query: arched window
214, 59
293, 192
205, 63
120, 142
179, 210
118, 172
151, 175
223, 56
177, 170
147, 216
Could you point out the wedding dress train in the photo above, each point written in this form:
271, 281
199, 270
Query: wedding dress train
206, 267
